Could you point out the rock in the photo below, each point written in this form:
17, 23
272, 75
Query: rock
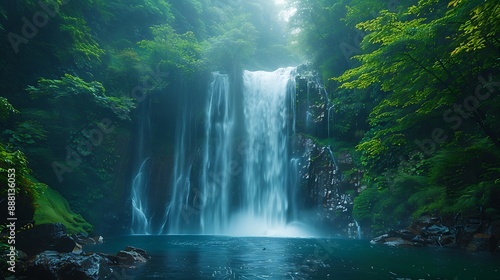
131, 255
495, 228
140, 251
404, 234
78, 249
98, 239
45, 237
83, 239
447, 240
480, 242
493, 244
397, 241
435, 230
466, 235
62, 266
391, 240
419, 239
379, 239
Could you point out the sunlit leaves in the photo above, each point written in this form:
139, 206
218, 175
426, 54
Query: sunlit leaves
481, 30
84, 47
454, 3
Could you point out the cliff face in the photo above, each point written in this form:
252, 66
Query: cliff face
329, 180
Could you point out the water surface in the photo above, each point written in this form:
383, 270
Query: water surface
223, 257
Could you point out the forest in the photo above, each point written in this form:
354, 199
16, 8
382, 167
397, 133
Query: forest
413, 89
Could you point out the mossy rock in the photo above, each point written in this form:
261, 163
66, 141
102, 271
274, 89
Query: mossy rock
52, 207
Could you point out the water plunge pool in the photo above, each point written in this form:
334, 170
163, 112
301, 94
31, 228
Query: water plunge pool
226, 257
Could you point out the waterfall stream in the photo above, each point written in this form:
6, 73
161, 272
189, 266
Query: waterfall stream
266, 191
244, 184
239, 178
141, 214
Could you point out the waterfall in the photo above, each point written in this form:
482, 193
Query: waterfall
141, 213
265, 192
179, 212
333, 160
217, 157
244, 180
358, 229
328, 121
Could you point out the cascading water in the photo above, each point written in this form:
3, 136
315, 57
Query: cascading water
265, 193
179, 204
358, 229
141, 214
246, 183
217, 157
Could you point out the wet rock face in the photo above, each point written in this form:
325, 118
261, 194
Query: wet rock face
54, 265
323, 187
428, 230
62, 266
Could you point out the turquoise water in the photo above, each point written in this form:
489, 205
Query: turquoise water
224, 257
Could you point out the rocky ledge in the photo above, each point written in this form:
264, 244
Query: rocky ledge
56, 265
47, 252
474, 235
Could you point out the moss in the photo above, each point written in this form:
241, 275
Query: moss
52, 207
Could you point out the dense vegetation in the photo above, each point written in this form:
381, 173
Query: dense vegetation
418, 81
414, 86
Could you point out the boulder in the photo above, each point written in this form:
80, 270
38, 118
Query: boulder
140, 251
132, 255
447, 240
45, 237
392, 240
435, 230
495, 229
379, 239
84, 239
423, 221
419, 239
404, 234
480, 242
62, 266
397, 241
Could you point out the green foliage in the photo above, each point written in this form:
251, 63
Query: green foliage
465, 165
398, 48
171, 51
235, 45
26, 190
364, 204
26, 133
480, 31
442, 50
84, 47
88, 95
6, 109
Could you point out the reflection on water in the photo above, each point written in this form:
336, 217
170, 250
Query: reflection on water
223, 257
